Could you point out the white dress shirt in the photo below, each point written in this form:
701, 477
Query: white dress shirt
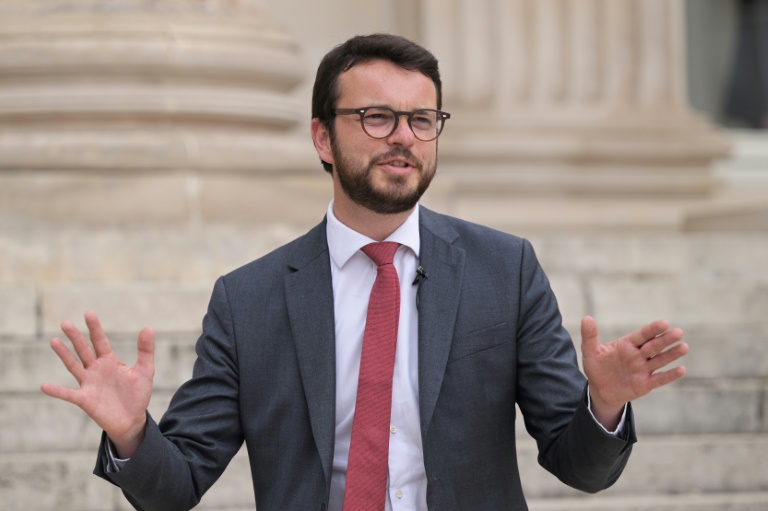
353, 274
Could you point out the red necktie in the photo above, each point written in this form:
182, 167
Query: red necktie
369, 448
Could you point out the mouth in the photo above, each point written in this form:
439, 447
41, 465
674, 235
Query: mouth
398, 165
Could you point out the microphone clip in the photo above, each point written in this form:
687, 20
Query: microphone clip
421, 275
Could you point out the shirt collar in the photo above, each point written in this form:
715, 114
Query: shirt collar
344, 242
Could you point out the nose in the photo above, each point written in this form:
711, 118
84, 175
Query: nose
403, 135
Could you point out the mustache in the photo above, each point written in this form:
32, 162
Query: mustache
399, 152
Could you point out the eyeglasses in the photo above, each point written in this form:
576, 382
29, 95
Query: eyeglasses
381, 121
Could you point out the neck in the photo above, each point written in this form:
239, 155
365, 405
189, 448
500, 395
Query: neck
374, 225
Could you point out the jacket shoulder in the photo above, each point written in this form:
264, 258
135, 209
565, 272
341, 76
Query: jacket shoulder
280, 261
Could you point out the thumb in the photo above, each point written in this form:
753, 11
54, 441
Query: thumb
590, 340
146, 350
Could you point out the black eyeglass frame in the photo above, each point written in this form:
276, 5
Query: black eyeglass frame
442, 116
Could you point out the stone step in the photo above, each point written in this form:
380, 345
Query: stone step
745, 169
664, 473
32, 253
753, 501
725, 352
25, 365
619, 304
690, 406
31, 423
64, 482
697, 406
732, 408
669, 464
724, 323
171, 199
716, 351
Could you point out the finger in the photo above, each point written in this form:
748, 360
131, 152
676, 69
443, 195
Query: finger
72, 364
98, 337
658, 344
648, 332
667, 357
665, 377
590, 340
81, 345
63, 393
146, 344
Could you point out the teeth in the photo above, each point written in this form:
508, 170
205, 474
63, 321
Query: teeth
399, 164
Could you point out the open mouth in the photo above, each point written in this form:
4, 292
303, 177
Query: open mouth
398, 164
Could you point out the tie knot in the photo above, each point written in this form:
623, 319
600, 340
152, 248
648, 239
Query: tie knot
382, 252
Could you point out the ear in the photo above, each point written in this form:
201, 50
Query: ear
322, 140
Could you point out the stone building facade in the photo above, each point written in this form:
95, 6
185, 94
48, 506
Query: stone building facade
148, 146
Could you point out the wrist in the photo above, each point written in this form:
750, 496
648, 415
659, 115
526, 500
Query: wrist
607, 414
126, 444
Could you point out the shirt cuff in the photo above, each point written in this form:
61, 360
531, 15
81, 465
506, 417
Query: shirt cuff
619, 429
114, 464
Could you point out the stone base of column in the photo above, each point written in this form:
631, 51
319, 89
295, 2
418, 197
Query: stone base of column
624, 173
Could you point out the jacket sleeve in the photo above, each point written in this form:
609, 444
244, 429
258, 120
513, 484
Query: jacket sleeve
552, 392
183, 455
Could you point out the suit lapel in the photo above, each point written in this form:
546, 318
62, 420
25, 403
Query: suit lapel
438, 304
309, 298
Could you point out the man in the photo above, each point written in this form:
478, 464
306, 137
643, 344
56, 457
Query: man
283, 361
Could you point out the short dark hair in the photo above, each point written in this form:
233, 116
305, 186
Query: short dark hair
361, 49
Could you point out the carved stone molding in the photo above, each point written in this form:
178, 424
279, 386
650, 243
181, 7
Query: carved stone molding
123, 76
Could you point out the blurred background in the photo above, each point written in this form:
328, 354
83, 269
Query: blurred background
149, 146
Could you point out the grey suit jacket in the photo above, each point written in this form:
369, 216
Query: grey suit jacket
490, 336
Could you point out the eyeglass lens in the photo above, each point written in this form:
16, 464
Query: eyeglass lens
380, 123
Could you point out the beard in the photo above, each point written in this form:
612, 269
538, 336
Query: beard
398, 196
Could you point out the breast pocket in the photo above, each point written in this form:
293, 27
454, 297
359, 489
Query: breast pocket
479, 340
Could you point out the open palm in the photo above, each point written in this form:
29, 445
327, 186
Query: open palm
629, 367
112, 393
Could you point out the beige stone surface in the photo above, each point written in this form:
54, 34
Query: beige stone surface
18, 311
169, 308
98, 145
653, 254
685, 464
26, 365
752, 501
37, 254
94, 199
684, 302
300, 200
48, 481
33, 423
571, 297
696, 407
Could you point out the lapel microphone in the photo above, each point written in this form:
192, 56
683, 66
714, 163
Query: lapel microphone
421, 275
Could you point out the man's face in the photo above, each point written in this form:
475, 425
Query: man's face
386, 175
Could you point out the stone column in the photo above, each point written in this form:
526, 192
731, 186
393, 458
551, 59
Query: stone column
166, 102
572, 113
146, 146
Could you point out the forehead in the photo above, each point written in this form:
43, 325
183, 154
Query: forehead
383, 83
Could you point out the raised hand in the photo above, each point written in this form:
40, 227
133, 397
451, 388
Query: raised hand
113, 394
629, 367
